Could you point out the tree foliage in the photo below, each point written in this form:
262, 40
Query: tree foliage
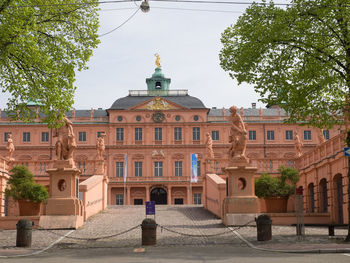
42, 43
21, 185
297, 57
284, 185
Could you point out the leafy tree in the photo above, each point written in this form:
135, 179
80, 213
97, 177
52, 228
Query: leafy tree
21, 185
42, 43
297, 57
284, 185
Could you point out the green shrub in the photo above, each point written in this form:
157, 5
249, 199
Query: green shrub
21, 185
284, 185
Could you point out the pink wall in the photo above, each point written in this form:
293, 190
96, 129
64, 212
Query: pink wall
94, 195
215, 189
324, 170
3, 181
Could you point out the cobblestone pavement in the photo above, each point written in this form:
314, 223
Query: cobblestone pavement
182, 221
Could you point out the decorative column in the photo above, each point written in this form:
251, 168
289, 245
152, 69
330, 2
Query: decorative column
128, 195
3, 182
64, 209
189, 198
169, 195
148, 193
241, 205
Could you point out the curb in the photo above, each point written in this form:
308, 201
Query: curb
42, 250
301, 251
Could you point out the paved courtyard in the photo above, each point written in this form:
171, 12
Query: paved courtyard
177, 225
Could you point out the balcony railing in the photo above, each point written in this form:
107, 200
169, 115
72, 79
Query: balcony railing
158, 92
327, 150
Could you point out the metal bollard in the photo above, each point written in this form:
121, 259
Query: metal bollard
149, 232
263, 226
24, 233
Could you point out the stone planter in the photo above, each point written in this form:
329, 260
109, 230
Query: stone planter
276, 204
28, 208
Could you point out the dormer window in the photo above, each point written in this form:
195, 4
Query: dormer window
158, 85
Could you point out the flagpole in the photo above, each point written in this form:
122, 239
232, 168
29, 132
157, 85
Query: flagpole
190, 192
124, 193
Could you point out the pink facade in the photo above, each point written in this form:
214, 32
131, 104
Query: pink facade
158, 130
323, 176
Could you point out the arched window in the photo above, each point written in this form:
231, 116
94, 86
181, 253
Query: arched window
323, 196
311, 193
158, 85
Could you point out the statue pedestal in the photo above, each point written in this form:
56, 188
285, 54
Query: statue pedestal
99, 167
64, 209
241, 205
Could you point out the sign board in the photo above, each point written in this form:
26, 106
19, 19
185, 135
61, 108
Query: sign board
347, 151
150, 208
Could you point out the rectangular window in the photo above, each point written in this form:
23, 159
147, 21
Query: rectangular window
119, 169
44, 136
138, 134
138, 169
6, 136
120, 134
307, 135
158, 169
99, 134
119, 199
178, 168
270, 135
252, 135
198, 168
43, 168
82, 136
197, 198
289, 135
26, 137
177, 134
196, 133
158, 134
215, 135
326, 134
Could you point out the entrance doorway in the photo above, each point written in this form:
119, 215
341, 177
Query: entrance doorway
138, 201
159, 196
179, 201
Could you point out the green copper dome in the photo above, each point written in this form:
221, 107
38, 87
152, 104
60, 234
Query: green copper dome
158, 81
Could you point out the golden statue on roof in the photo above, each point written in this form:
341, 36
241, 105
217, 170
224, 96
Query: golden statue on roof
157, 60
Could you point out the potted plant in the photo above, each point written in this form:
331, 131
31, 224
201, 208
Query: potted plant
276, 190
22, 188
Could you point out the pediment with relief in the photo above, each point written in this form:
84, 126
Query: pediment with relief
178, 156
137, 156
158, 103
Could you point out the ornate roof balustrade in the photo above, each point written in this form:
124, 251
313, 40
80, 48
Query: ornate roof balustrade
158, 92
329, 150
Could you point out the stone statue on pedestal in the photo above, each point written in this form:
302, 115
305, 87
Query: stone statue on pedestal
298, 145
10, 147
100, 145
66, 143
238, 137
209, 146
320, 136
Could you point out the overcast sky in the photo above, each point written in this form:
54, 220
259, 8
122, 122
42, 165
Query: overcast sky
187, 41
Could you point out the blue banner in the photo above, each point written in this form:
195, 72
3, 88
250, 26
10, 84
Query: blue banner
125, 167
150, 208
194, 176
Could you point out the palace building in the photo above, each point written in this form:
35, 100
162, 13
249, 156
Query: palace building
150, 136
